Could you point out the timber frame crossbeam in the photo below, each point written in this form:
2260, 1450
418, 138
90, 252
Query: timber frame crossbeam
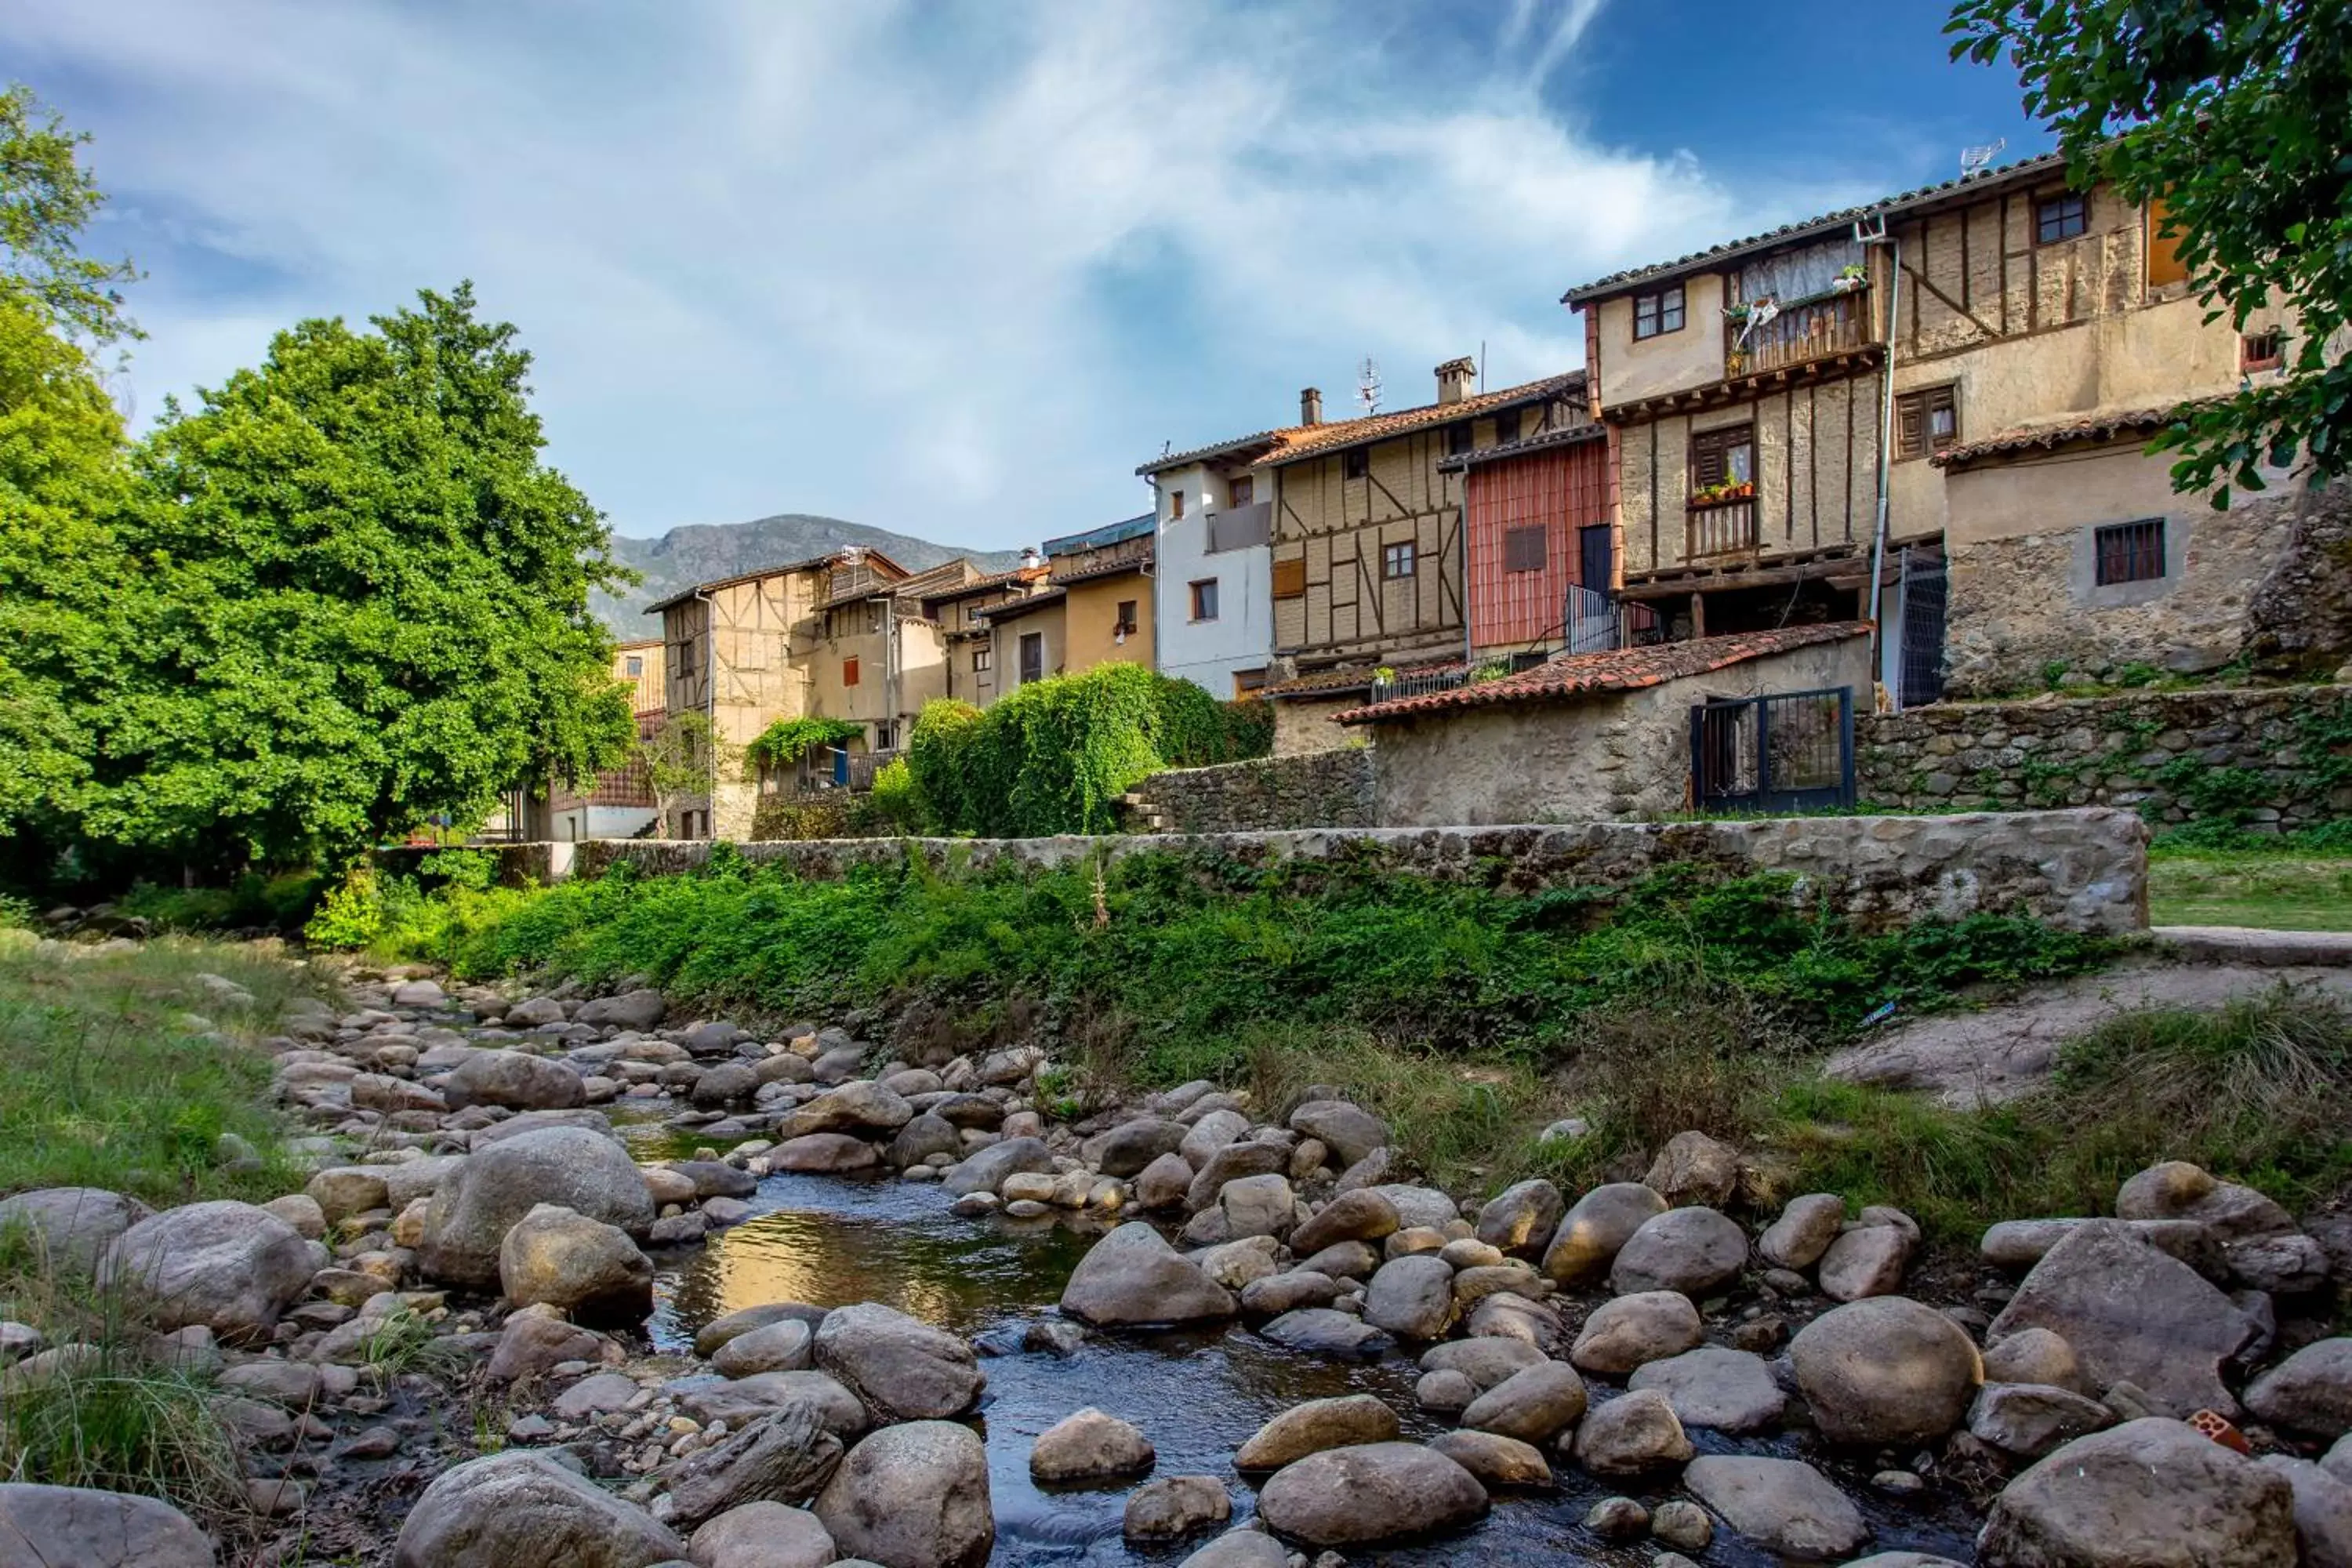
1743, 389
1673, 582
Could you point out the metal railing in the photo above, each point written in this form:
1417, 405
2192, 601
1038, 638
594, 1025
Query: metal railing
1417, 682
1596, 621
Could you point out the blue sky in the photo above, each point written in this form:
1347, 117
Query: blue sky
956, 268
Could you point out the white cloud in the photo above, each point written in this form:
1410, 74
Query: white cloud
868, 259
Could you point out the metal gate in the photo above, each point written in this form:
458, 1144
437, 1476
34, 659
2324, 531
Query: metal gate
1920, 672
1792, 752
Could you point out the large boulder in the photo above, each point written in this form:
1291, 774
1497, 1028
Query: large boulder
1803, 1232
1888, 1372
1521, 1218
784, 1456
2311, 1391
823, 1154
1241, 1549
903, 1370
487, 1195
1349, 1131
515, 1080
1412, 1296
763, 1535
2133, 1314
230, 1267
1695, 1171
1127, 1149
986, 1171
1088, 1446
1784, 1506
1172, 1508
1133, 1276
1867, 1260
1693, 1250
584, 1267
1631, 1435
2026, 1420
639, 1009
2323, 1511
516, 1507
2179, 1190
1600, 1223
1531, 1405
913, 1497
2152, 1493
1340, 1422
1717, 1388
1626, 1333
49, 1527
860, 1107
1360, 1495
1233, 1162
70, 1226
1360, 1215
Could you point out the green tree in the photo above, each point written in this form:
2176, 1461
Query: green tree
2232, 112
47, 199
681, 758
361, 601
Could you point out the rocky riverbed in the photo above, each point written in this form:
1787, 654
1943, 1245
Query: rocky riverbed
579, 1282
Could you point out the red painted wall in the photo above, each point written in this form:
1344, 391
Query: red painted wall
1563, 489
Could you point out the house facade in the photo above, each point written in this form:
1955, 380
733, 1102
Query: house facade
619, 801
1764, 398
1094, 607
961, 611
1213, 575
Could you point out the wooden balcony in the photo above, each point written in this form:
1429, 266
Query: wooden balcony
1720, 528
1816, 329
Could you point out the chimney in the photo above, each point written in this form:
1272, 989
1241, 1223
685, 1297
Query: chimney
1311, 406
1453, 379
1030, 559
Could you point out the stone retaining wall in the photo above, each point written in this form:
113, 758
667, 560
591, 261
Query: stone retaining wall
2279, 756
1314, 789
2081, 870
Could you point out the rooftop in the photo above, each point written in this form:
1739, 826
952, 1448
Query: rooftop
811, 565
983, 584
1599, 674
1543, 441
1013, 609
2050, 433
1315, 440
1108, 534
2024, 171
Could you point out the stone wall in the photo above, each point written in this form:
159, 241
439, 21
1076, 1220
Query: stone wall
2081, 870
1303, 724
2278, 756
1315, 789
2302, 613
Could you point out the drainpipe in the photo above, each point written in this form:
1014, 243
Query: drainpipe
1886, 436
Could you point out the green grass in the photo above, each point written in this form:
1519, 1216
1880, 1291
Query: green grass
107, 1078
2275, 891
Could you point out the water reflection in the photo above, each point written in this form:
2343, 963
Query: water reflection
1197, 1396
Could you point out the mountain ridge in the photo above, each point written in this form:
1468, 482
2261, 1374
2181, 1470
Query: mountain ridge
699, 552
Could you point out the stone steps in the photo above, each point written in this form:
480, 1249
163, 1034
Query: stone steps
2250, 945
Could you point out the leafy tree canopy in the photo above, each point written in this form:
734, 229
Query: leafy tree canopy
47, 199
2232, 113
361, 599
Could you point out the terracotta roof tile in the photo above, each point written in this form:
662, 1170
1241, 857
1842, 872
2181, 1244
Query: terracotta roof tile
983, 584
2050, 433
1314, 440
2024, 169
1620, 669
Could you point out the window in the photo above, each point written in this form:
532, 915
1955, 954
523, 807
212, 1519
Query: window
684, 660
634, 664
1175, 503
2061, 218
1204, 599
2261, 351
1290, 579
886, 734
1032, 657
2164, 263
1243, 490
874, 615
1722, 462
1659, 312
1507, 426
1355, 462
1926, 421
1458, 438
982, 659
1248, 680
1125, 625
1396, 561
1523, 548
2130, 551
849, 672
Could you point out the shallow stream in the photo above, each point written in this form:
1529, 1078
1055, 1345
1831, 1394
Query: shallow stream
831, 1242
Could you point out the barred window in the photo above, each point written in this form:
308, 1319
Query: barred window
2131, 551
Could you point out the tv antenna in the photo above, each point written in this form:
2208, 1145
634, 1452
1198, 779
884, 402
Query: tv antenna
1368, 385
1973, 160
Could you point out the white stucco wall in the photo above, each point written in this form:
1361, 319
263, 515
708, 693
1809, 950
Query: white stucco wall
1208, 652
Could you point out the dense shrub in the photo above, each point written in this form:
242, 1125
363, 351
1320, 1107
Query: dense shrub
1054, 756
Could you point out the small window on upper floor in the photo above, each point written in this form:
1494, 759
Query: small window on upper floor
1125, 625
982, 660
1926, 421
1524, 548
849, 672
2061, 218
1658, 312
1507, 426
634, 665
1355, 462
1175, 503
1243, 490
1397, 561
1204, 599
2261, 351
1458, 438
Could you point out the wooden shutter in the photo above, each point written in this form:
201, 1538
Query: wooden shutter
849, 672
1910, 425
1290, 579
2164, 263
1523, 548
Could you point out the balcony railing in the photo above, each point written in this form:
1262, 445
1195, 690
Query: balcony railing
1808, 331
1721, 528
